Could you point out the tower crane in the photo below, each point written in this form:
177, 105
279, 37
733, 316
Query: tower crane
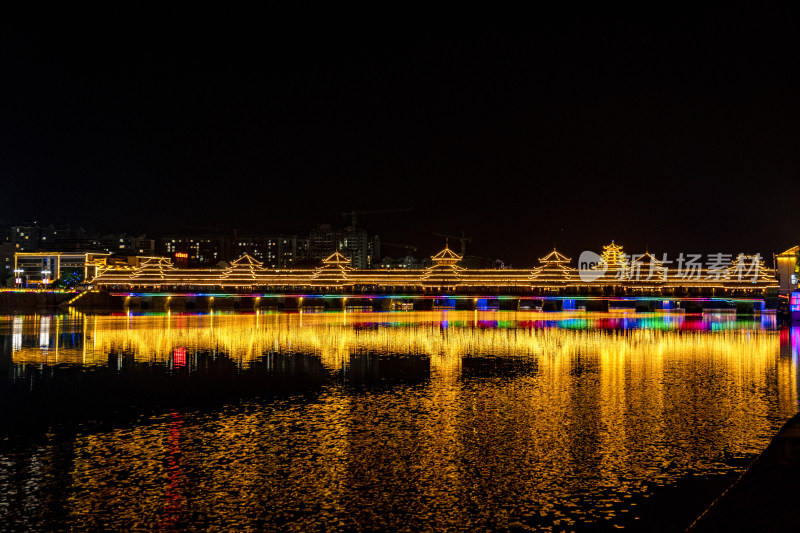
410, 248
463, 239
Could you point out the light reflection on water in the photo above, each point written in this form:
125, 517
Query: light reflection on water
434, 420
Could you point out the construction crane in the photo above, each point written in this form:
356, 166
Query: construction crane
464, 240
410, 248
353, 214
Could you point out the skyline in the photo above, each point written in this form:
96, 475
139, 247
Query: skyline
659, 132
532, 250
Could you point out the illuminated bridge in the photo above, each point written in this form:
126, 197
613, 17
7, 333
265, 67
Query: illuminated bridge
554, 283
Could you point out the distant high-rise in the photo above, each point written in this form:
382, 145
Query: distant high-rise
25, 238
355, 244
281, 251
200, 250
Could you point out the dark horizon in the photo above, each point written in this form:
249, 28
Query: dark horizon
659, 131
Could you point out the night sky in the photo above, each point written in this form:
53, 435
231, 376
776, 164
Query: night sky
673, 131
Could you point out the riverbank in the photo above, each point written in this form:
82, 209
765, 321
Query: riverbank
766, 497
30, 300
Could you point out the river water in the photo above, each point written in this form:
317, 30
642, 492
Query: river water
443, 420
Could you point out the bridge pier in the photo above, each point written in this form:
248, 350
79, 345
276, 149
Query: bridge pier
423, 304
383, 304
269, 303
157, 303
176, 303
552, 305
363, 304
504, 304
622, 305
131, 303
691, 307
529, 304
335, 304
466, 304
645, 306
291, 303
749, 308
146, 303
445, 303
597, 305
666, 305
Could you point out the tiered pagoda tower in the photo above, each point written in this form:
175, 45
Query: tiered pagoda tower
614, 257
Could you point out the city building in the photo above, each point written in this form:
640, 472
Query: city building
123, 244
7, 251
40, 269
292, 250
196, 250
787, 269
25, 238
62, 237
406, 261
265, 249
363, 251
53, 237
282, 251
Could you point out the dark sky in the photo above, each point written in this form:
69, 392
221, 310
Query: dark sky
677, 131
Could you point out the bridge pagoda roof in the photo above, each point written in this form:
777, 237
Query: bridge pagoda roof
154, 267
246, 260
554, 257
446, 257
336, 260
334, 270
555, 267
749, 268
243, 269
646, 258
444, 270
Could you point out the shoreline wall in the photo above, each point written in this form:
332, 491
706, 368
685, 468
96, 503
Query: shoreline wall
12, 300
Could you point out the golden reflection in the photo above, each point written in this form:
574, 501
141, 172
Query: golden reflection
445, 336
519, 420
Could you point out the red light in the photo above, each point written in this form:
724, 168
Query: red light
179, 356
